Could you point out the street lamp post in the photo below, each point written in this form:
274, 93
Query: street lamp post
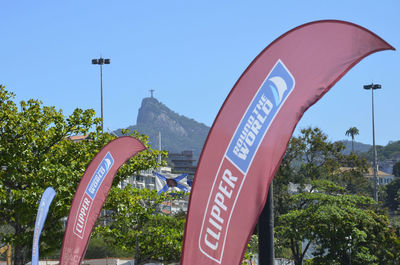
100, 62
375, 164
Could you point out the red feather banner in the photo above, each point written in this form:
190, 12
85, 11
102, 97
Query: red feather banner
251, 132
91, 195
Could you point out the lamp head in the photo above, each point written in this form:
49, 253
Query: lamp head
373, 86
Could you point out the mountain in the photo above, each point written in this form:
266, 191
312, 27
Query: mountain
389, 151
358, 147
387, 155
178, 133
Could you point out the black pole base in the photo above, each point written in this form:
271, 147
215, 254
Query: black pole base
266, 232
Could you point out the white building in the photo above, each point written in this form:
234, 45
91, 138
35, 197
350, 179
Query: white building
383, 177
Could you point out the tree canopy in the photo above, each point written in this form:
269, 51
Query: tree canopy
396, 169
36, 151
321, 199
336, 228
311, 156
315, 184
353, 131
140, 227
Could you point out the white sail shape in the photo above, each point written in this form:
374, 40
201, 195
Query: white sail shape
280, 85
108, 163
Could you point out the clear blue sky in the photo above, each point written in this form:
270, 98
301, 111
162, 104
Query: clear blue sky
191, 53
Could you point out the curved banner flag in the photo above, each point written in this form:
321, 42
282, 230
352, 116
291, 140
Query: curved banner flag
91, 195
43, 209
251, 132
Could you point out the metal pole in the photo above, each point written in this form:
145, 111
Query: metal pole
100, 62
159, 148
373, 144
101, 91
170, 211
266, 255
350, 256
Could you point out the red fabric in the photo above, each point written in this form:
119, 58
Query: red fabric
91, 195
226, 202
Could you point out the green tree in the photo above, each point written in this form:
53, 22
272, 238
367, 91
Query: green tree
352, 132
392, 189
139, 228
320, 158
311, 156
390, 151
351, 175
36, 152
251, 251
339, 227
98, 249
396, 169
391, 199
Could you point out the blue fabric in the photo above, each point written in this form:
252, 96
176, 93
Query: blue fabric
180, 186
189, 182
180, 177
164, 189
159, 175
177, 179
43, 209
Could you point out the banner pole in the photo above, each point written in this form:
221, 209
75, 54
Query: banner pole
266, 255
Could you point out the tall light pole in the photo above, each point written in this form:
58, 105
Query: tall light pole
375, 164
100, 62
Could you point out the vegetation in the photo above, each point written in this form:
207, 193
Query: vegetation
353, 131
359, 148
98, 249
140, 229
35, 153
252, 249
396, 169
322, 201
311, 156
337, 228
390, 193
390, 151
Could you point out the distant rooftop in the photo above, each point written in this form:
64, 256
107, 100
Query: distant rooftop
77, 138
